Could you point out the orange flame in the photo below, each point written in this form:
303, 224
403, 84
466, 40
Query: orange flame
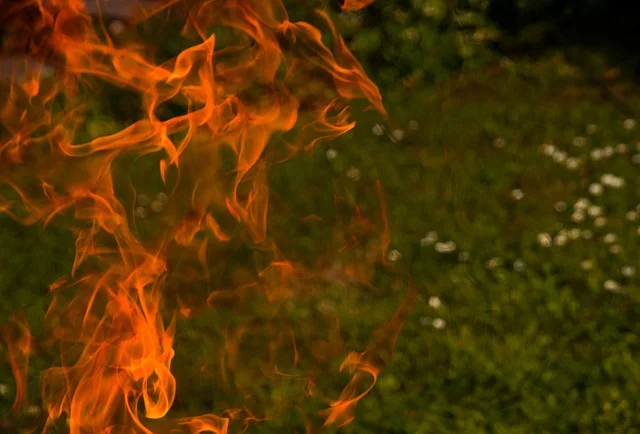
19, 349
113, 319
355, 5
369, 363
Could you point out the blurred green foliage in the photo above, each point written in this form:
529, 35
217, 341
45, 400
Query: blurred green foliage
420, 41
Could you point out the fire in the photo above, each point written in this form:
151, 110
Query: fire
113, 319
354, 5
19, 351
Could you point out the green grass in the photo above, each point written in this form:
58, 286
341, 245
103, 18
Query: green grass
545, 349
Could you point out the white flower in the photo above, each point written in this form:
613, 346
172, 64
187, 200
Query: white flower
332, 154
560, 206
595, 189
596, 154
463, 256
394, 255
141, 212
493, 263
635, 159
577, 216
606, 179
559, 156
499, 142
377, 130
632, 216
573, 163
628, 271
517, 194
615, 249
439, 323
162, 198
582, 204
143, 200
156, 206
413, 125
429, 239
612, 180
592, 129
447, 247
397, 135
629, 124
594, 211
612, 285
617, 182
587, 234
621, 148
607, 151
600, 222
560, 240
586, 264
548, 149
353, 173
610, 238
574, 233
544, 239
519, 265
579, 142
117, 27
435, 302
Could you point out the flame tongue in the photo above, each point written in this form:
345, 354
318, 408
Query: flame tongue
354, 5
109, 319
126, 352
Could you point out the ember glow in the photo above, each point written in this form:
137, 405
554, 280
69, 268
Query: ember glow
113, 319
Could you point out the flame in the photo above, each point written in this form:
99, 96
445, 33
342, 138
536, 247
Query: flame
369, 363
114, 318
355, 5
19, 348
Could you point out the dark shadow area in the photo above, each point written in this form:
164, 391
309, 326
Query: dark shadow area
537, 25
